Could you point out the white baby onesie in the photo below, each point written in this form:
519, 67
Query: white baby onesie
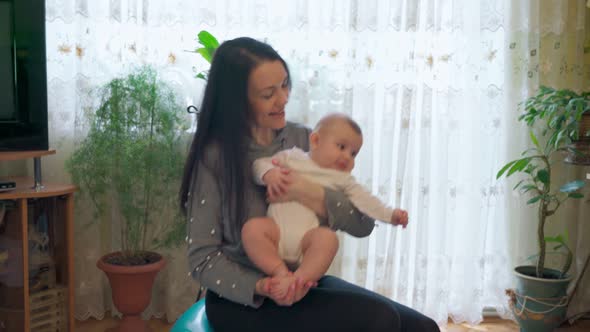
295, 219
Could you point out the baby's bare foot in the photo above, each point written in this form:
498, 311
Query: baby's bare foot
280, 287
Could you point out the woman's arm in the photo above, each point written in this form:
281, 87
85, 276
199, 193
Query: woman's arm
343, 215
333, 207
261, 166
367, 203
207, 262
309, 194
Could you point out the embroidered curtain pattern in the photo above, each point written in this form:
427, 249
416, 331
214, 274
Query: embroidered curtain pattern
433, 83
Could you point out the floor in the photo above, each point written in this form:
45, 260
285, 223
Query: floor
499, 325
490, 324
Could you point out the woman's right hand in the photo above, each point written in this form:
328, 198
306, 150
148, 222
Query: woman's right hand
301, 289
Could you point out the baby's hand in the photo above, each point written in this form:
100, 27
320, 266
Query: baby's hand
399, 217
276, 180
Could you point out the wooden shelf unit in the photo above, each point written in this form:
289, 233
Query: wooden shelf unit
58, 199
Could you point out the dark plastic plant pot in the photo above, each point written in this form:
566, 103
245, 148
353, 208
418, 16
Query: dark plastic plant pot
539, 304
583, 155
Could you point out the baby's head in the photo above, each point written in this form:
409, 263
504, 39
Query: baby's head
335, 142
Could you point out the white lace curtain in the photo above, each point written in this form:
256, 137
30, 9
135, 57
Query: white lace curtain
548, 43
433, 83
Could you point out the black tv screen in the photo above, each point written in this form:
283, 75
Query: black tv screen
23, 76
7, 84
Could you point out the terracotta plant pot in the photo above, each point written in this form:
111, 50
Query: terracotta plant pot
131, 290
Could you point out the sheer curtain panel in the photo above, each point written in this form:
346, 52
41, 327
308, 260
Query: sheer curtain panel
427, 80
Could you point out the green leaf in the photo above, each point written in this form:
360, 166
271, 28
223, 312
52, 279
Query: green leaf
505, 168
543, 176
530, 169
519, 165
534, 139
529, 187
534, 199
207, 40
205, 53
554, 239
572, 186
518, 184
575, 195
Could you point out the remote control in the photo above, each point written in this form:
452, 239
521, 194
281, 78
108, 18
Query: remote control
7, 185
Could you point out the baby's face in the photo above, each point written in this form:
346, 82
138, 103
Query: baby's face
336, 146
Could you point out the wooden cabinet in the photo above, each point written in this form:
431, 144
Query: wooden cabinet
36, 243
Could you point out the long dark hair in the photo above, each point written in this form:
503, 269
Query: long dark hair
225, 119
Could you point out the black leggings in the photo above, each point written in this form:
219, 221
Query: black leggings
334, 305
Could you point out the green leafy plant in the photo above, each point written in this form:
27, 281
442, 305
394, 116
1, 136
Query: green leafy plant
208, 46
132, 160
556, 114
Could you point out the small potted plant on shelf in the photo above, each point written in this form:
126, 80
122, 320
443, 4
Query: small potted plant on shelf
540, 299
129, 165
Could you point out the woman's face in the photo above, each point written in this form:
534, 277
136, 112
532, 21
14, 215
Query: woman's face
268, 93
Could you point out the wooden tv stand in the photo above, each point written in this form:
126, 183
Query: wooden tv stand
36, 286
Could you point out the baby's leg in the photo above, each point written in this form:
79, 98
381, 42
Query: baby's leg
319, 246
260, 238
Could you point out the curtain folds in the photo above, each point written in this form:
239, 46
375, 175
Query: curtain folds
433, 83
549, 44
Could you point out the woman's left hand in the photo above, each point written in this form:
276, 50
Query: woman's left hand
294, 186
299, 189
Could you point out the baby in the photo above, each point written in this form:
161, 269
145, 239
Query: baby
292, 237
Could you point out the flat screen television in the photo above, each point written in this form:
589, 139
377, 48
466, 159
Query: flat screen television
23, 76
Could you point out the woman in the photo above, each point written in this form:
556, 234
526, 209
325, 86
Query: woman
242, 118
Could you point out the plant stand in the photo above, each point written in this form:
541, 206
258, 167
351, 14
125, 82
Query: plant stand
37, 286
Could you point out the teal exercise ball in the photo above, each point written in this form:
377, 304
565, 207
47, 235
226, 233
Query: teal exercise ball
193, 320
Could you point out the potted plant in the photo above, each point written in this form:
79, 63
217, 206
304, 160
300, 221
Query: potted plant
130, 165
540, 299
208, 46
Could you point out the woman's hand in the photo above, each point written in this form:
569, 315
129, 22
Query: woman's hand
264, 285
302, 290
287, 179
295, 293
299, 189
276, 180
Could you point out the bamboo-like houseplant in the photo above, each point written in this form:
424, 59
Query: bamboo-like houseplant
130, 165
556, 114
